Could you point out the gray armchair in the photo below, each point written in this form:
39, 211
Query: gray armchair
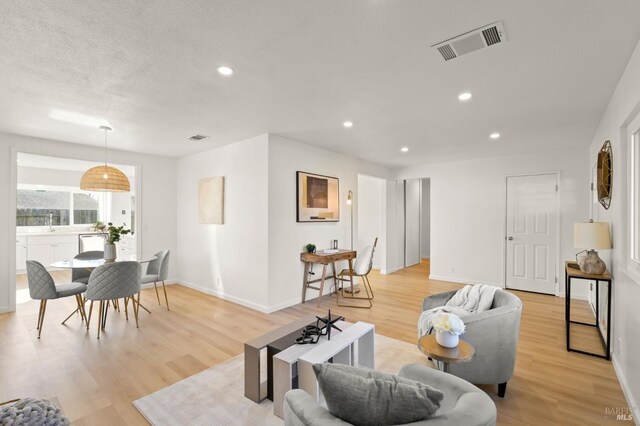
493, 334
43, 288
158, 271
81, 275
463, 403
113, 281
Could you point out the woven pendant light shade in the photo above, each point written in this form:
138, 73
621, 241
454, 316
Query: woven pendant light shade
105, 179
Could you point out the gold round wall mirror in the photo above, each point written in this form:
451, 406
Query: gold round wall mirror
605, 175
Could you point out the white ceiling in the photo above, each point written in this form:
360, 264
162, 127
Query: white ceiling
302, 67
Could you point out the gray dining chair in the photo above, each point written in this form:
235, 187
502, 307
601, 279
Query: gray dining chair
113, 281
81, 275
157, 271
43, 288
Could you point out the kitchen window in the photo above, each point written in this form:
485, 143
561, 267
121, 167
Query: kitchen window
43, 205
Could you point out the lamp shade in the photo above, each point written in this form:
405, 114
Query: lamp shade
591, 235
105, 179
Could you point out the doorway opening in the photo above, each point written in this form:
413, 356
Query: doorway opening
409, 222
56, 220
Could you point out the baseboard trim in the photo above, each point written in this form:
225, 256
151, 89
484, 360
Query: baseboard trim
221, 295
461, 280
166, 282
633, 406
5, 309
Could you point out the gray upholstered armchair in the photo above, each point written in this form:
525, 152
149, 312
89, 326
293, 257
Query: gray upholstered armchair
493, 334
463, 403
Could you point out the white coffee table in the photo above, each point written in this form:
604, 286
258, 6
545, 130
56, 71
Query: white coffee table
297, 361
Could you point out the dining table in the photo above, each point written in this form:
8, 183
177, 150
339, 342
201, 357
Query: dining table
91, 264
94, 263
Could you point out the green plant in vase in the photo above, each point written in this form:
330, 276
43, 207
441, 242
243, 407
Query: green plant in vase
113, 236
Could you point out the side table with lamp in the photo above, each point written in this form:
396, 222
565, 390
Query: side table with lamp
590, 236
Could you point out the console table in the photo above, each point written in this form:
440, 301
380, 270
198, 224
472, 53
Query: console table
572, 273
341, 349
324, 259
286, 370
252, 351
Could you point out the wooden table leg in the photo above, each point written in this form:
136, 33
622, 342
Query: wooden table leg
324, 272
351, 274
335, 278
305, 280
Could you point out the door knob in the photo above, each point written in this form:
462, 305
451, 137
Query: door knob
510, 238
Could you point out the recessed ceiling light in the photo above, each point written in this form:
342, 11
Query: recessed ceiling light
226, 71
494, 135
347, 124
404, 149
465, 96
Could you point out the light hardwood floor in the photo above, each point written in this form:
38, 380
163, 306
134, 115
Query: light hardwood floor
95, 381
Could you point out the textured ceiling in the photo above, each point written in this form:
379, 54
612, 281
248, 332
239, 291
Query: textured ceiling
302, 67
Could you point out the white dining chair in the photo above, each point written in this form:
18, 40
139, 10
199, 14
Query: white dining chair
361, 269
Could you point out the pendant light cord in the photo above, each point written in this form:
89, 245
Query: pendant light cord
105, 147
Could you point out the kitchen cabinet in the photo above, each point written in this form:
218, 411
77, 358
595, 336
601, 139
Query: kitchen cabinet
21, 253
127, 248
48, 249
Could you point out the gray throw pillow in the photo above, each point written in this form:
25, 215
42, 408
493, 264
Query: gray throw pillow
370, 398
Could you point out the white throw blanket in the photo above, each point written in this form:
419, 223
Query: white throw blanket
468, 300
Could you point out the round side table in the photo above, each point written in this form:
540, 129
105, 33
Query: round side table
464, 352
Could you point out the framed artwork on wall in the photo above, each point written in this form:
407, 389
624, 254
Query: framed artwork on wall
211, 200
317, 198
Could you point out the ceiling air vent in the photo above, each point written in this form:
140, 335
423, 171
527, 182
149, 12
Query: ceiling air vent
197, 137
473, 40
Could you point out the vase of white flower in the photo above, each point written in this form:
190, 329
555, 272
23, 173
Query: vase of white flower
448, 329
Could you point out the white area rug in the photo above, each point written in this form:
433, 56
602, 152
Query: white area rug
216, 395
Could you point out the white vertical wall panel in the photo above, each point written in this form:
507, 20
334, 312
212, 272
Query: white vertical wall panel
412, 222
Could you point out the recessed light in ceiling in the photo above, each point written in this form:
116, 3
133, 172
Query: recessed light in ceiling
494, 135
77, 118
465, 96
348, 124
224, 70
404, 149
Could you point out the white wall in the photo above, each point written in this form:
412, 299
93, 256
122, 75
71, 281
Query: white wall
228, 260
286, 236
40, 176
624, 105
425, 224
119, 202
468, 210
157, 203
371, 206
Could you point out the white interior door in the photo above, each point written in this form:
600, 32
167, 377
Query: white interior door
531, 233
412, 222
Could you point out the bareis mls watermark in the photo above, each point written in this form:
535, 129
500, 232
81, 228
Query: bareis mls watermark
619, 413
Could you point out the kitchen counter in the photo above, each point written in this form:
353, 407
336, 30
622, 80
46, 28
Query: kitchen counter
54, 233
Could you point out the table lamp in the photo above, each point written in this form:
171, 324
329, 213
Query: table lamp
591, 236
